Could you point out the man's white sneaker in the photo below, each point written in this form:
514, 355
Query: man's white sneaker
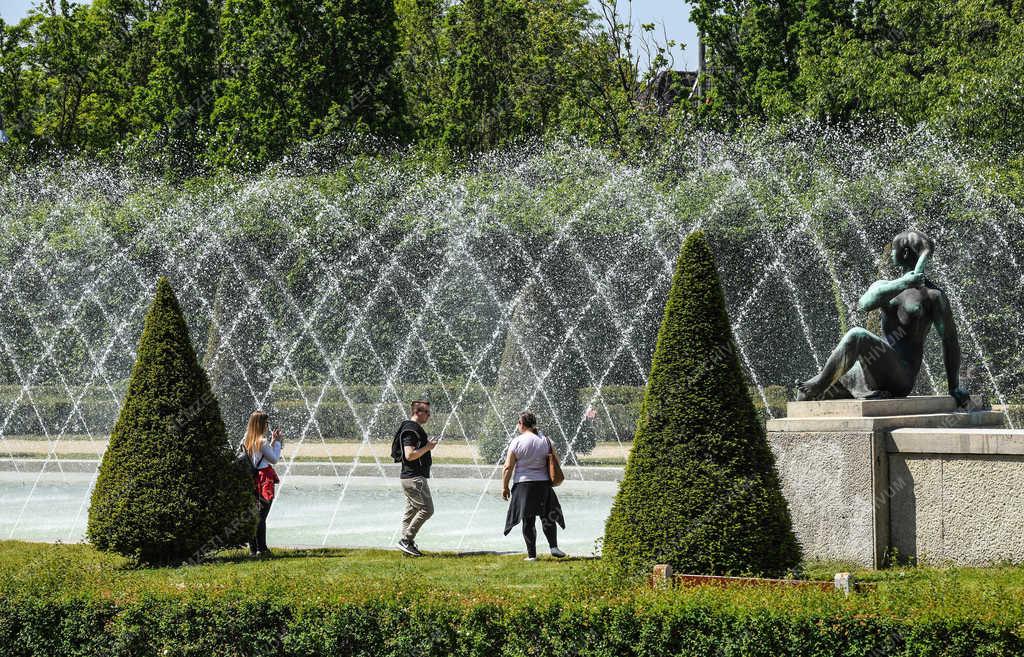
555, 552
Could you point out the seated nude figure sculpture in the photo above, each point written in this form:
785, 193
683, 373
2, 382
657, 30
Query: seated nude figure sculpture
868, 366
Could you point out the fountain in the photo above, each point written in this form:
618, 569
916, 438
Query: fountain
533, 278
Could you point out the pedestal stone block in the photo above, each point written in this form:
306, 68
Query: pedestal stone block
831, 481
958, 497
876, 407
860, 479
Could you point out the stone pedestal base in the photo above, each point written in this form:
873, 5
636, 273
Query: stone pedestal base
958, 497
831, 481
867, 478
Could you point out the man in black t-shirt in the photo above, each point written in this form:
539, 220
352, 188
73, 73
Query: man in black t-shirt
416, 459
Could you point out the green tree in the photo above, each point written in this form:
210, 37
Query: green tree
66, 49
84, 62
488, 38
480, 74
295, 70
171, 107
700, 490
16, 81
423, 57
751, 51
608, 83
168, 487
951, 65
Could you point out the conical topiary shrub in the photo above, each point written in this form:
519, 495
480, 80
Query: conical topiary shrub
700, 490
169, 488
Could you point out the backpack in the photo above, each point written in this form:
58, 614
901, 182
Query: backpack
397, 451
244, 462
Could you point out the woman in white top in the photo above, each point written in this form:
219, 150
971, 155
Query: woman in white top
532, 494
264, 455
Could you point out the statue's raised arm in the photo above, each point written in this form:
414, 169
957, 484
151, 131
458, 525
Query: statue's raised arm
869, 366
911, 246
882, 292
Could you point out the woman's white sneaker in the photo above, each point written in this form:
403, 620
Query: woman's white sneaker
530, 559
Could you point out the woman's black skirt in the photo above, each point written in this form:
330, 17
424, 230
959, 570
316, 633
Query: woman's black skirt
533, 498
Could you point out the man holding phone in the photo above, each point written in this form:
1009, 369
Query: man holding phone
416, 460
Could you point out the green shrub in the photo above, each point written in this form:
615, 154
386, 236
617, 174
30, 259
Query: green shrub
55, 408
492, 443
438, 393
777, 396
168, 488
700, 490
71, 600
617, 409
208, 625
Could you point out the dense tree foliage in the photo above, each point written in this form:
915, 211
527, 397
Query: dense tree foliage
481, 73
955, 65
170, 106
294, 70
233, 83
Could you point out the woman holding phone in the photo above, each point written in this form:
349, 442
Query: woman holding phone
264, 454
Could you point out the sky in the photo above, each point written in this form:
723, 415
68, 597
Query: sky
672, 14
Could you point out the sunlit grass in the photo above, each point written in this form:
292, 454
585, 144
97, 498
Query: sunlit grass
333, 575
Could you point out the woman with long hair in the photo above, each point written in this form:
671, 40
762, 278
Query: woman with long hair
263, 454
532, 494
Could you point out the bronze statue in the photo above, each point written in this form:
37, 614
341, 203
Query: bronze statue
868, 366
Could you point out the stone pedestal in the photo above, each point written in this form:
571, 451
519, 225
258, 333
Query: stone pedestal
958, 495
865, 476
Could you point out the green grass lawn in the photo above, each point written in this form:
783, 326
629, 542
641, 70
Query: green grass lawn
303, 577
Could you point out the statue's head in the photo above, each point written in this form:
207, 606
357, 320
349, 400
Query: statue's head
908, 246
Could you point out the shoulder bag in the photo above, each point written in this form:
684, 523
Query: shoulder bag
554, 467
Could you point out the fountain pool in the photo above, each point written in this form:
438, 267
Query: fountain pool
368, 516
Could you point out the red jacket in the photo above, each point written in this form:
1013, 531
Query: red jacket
265, 480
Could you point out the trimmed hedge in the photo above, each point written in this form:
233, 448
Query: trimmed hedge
700, 491
652, 627
336, 419
60, 415
168, 487
365, 393
71, 600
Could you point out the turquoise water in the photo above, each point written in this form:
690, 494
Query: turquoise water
322, 511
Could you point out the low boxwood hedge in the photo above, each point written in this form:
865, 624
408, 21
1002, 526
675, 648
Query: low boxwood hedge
207, 625
73, 600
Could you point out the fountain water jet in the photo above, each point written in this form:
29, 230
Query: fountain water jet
344, 295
